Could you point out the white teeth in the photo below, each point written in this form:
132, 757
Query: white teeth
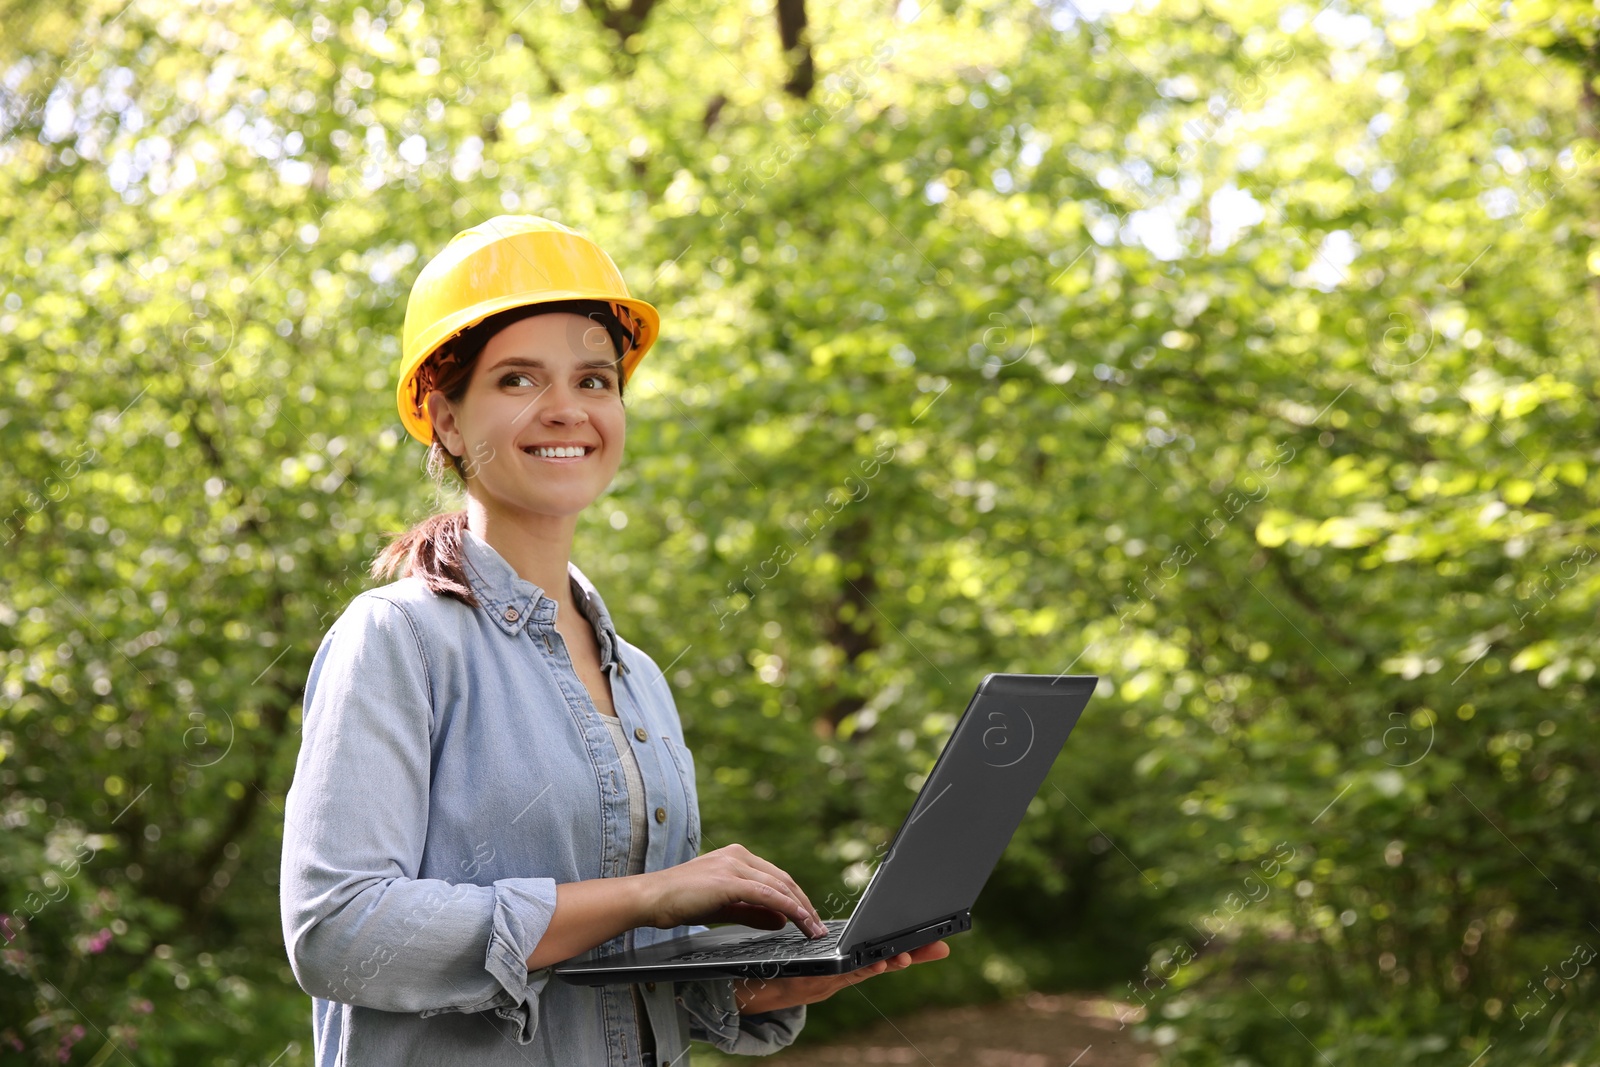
558, 453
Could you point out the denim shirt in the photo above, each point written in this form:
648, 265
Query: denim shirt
452, 770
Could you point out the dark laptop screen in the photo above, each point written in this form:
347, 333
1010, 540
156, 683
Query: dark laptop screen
972, 802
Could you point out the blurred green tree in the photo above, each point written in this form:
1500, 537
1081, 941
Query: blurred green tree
1242, 355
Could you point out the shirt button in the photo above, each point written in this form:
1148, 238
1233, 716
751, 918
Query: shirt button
661, 815
511, 615
640, 733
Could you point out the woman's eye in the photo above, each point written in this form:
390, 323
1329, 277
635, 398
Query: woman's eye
605, 382
511, 379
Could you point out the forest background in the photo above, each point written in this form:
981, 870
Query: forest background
1241, 354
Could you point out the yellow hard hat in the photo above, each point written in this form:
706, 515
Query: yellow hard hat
509, 261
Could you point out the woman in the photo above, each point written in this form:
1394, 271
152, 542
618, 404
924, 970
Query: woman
491, 780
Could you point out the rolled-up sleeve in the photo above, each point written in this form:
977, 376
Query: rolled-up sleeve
714, 1017
359, 925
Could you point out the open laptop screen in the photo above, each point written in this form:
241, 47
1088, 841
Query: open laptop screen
972, 802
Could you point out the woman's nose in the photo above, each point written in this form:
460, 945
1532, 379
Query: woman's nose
559, 404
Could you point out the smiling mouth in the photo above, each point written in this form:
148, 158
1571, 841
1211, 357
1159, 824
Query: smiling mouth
569, 453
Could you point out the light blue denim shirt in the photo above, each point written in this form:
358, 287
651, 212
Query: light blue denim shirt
452, 770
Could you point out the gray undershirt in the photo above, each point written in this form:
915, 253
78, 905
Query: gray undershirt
630, 771
636, 845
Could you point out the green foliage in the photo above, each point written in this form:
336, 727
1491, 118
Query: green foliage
973, 361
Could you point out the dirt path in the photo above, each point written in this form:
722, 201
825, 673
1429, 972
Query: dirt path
1038, 1030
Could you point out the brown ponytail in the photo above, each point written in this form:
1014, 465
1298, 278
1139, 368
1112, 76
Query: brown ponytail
432, 549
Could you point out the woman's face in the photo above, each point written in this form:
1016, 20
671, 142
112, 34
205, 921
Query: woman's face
547, 381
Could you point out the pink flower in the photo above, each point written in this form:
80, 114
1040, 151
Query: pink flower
73, 1037
99, 941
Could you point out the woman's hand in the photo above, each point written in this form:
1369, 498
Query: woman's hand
731, 884
756, 995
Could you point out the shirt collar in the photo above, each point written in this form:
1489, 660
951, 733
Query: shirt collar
513, 602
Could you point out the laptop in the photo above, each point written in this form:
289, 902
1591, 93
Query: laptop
959, 825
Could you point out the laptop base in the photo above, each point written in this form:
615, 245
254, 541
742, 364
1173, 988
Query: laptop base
654, 964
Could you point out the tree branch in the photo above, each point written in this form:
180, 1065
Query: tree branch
625, 22
796, 48
847, 634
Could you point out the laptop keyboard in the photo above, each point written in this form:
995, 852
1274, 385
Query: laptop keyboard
776, 943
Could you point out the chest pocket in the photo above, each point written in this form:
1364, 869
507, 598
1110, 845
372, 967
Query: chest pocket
684, 762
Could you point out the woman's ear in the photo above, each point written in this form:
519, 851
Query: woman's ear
442, 415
